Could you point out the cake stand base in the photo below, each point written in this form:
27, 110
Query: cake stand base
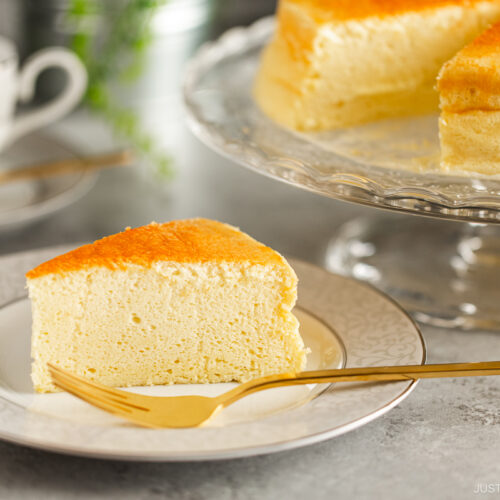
446, 274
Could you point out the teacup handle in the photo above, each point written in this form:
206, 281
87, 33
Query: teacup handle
60, 105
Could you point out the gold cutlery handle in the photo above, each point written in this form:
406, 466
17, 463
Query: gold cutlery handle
374, 373
68, 166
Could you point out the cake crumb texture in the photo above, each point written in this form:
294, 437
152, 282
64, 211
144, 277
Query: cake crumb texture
214, 308
469, 90
334, 64
471, 79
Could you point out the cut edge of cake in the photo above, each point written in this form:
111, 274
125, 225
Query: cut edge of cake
469, 124
147, 320
322, 73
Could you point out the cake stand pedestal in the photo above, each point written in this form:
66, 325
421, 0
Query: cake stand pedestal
446, 273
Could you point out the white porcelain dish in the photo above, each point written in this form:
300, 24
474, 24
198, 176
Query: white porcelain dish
342, 321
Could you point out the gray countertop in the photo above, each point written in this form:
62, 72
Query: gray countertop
442, 442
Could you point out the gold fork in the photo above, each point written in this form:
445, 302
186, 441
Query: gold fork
193, 411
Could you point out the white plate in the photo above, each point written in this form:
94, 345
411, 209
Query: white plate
23, 202
342, 321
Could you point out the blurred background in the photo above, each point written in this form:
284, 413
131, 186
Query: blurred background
135, 52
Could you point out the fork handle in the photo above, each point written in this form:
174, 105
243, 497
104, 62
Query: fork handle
68, 166
374, 373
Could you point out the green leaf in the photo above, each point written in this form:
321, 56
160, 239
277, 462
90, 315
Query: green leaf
118, 53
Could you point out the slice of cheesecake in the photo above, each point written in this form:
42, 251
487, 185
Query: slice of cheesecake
187, 301
469, 89
336, 63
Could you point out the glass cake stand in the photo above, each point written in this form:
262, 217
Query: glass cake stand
445, 274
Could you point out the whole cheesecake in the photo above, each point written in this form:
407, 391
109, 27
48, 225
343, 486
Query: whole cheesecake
188, 301
336, 63
469, 89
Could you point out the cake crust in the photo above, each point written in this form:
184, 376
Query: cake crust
342, 10
184, 241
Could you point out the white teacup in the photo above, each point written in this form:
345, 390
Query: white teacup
19, 85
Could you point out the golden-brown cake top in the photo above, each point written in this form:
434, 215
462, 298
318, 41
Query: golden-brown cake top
341, 10
300, 20
471, 79
184, 241
486, 44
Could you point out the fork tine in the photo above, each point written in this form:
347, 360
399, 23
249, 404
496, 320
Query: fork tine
103, 397
175, 412
121, 396
101, 392
102, 388
94, 400
120, 410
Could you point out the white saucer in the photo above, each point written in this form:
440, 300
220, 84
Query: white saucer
23, 202
342, 321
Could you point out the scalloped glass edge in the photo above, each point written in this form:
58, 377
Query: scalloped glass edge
428, 194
